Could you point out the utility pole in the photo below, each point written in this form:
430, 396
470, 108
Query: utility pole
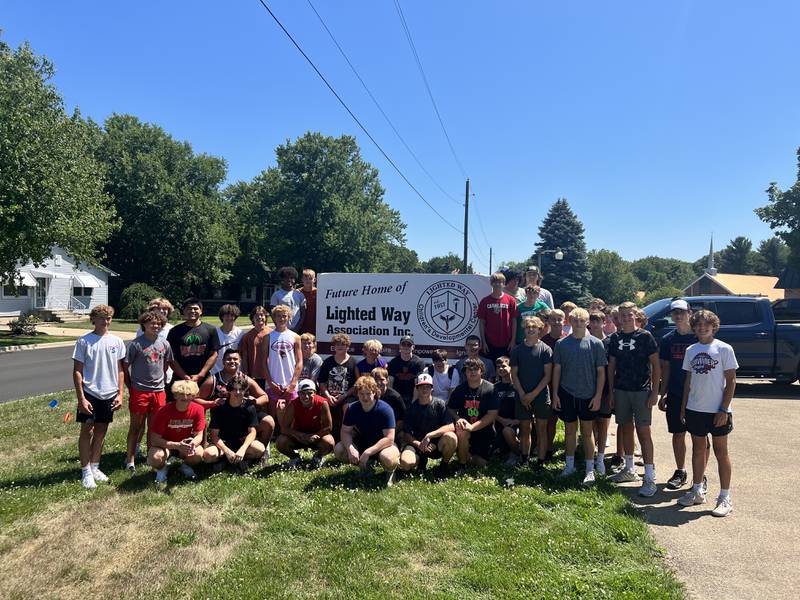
490, 260
466, 227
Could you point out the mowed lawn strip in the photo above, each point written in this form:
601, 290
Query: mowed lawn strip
6, 339
304, 534
127, 325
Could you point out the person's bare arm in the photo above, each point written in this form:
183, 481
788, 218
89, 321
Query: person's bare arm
121, 372
612, 373
485, 420
664, 388
556, 383
594, 405
686, 386
259, 396
655, 378
482, 333
730, 387
298, 365
205, 391
77, 379
383, 443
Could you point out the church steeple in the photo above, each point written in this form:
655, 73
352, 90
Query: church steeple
710, 270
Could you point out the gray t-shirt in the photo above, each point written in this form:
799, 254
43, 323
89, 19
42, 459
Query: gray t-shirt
311, 367
530, 362
579, 360
147, 361
294, 299
100, 355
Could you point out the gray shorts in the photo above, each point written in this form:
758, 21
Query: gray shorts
631, 407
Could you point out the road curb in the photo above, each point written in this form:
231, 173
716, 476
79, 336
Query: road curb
5, 349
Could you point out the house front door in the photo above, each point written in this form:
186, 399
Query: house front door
40, 293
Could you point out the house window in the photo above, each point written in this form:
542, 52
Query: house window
57, 260
82, 291
248, 293
10, 291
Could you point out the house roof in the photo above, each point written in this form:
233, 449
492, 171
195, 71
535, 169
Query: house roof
789, 278
745, 285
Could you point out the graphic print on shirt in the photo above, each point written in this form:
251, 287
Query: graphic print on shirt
473, 409
153, 355
678, 351
497, 307
337, 380
702, 363
180, 423
630, 344
191, 346
282, 347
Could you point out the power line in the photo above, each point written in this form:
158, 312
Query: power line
427, 85
380, 108
355, 118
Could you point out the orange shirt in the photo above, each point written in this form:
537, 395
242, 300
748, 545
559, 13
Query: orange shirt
310, 321
253, 348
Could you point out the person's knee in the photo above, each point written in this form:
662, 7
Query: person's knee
266, 424
389, 458
283, 444
156, 457
525, 427
643, 432
448, 442
255, 450
195, 458
408, 460
211, 455
340, 452
325, 444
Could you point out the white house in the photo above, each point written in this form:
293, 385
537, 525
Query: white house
59, 285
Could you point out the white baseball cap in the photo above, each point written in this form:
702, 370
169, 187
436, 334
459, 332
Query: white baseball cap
306, 384
679, 304
424, 379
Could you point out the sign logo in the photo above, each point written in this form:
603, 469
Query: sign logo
447, 311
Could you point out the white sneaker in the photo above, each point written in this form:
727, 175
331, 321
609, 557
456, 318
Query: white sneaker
187, 471
589, 478
724, 507
608, 441
625, 476
691, 498
648, 488
87, 480
161, 474
600, 467
567, 471
130, 467
99, 476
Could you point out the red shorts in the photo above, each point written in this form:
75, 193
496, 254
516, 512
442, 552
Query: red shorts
144, 403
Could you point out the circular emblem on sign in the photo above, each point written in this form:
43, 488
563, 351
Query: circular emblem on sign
447, 311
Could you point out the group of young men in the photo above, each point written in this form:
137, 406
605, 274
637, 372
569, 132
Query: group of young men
530, 366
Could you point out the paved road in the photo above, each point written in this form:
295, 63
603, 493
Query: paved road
35, 372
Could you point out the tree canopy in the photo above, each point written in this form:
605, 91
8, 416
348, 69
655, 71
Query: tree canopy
612, 279
445, 264
51, 188
782, 213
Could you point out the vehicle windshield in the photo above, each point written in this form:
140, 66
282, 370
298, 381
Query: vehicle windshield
656, 307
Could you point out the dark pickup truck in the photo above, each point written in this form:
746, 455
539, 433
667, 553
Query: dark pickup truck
765, 337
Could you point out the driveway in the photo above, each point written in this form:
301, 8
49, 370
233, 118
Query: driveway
755, 552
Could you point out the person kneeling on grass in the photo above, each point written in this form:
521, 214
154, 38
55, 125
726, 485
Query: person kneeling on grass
233, 429
177, 430
473, 406
307, 424
428, 429
368, 431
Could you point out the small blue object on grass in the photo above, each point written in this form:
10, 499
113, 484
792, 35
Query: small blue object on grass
53, 403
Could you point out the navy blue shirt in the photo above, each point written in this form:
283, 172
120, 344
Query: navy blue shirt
673, 349
369, 425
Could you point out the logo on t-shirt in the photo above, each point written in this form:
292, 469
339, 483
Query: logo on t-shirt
191, 346
702, 363
629, 345
447, 311
282, 347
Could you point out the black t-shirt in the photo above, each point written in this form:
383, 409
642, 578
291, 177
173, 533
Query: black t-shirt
338, 377
233, 421
472, 404
506, 399
395, 400
632, 352
405, 373
192, 346
673, 349
421, 420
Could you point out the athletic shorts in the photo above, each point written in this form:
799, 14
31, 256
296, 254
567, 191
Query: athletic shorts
674, 424
631, 407
101, 410
274, 395
480, 442
605, 411
142, 402
573, 408
435, 453
702, 423
541, 408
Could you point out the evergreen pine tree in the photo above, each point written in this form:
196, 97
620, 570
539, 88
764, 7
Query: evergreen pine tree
568, 278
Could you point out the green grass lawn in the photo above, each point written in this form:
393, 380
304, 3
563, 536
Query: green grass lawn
6, 339
125, 325
304, 534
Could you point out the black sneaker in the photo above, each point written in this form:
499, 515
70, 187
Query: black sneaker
704, 485
616, 464
677, 481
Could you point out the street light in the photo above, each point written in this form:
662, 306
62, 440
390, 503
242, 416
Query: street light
557, 254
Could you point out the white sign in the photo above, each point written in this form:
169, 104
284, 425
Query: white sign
437, 310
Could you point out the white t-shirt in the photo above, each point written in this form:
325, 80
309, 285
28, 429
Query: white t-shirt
294, 299
100, 355
546, 297
442, 384
226, 340
162, 334
708, 363
281, 360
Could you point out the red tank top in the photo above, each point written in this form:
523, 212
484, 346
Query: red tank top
307, 420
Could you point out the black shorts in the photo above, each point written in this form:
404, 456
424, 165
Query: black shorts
102, 412
702, 423
674, 424
433, 454
480, 442
573, 408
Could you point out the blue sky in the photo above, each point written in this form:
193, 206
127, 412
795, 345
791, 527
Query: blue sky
642, 115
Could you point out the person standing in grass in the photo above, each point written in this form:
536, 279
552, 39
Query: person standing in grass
603, 420
445, 378
177, 430
531, 306
634, 375
148, 358
288, 296
531, 372
368, 431
228, 334
392, 398
254, 346
497, 319
507, 425
98, 373
309, 291
710, 367
428, 430
233, 428
307, 424
284, 363
473, 406
337, 376
194, 344
579, 374
404, 368
312, 362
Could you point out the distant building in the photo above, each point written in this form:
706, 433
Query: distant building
60, 286
789, 282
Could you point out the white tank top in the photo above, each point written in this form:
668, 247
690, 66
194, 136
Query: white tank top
281, 356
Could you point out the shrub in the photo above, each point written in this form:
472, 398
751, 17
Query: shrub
134, 300
25, 325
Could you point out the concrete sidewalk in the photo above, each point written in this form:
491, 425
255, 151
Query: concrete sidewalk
754, 552
61, 331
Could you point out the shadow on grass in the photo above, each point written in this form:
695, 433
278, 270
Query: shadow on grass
348, 478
